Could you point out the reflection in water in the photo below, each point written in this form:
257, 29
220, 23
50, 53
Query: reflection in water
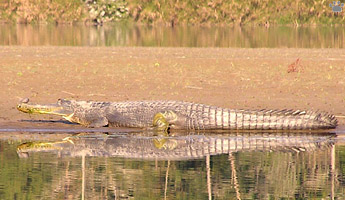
204, 166
179, 147
183, 36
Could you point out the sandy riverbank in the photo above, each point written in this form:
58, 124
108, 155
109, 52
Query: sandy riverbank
233, 78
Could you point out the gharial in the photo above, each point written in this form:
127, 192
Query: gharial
166, 115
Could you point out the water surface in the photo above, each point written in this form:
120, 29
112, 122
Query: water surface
202, 166
180, 36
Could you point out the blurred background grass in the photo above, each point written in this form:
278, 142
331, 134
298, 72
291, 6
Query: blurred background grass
171, 12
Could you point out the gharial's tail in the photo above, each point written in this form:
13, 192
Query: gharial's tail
325, 120
273, 119
291, 119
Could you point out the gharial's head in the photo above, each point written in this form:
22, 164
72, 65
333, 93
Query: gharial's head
71, 110
63, 108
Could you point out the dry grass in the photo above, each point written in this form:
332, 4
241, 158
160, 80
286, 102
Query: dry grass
173, 12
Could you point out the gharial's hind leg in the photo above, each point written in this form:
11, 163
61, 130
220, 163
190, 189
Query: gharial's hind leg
162, 121
165, 143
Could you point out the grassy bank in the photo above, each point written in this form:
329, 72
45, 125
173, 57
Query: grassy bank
171, 12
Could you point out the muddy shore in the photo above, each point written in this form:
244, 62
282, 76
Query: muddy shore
233, 78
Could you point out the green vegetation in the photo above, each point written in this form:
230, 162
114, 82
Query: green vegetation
171, 12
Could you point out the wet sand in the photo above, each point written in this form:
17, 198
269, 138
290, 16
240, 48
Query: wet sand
233, 78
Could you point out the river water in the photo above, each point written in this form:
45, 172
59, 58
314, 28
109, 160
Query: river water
182, 166
183, 36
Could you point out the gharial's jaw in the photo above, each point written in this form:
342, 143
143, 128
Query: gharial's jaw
54, 109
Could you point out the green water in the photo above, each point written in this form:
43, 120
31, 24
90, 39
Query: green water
183, 36
97, 167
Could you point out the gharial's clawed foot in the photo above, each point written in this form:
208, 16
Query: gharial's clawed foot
163, 120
